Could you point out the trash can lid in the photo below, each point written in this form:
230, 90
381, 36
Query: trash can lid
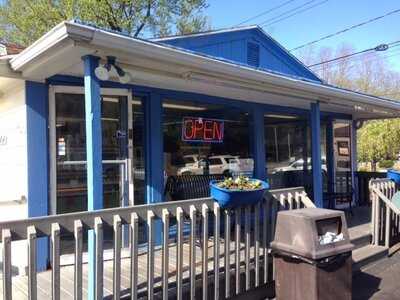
313, 233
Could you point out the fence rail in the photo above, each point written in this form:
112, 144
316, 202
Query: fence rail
385, 215
239, 237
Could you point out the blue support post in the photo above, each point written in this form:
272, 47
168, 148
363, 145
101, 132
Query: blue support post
93, 156
354, 160
258, 143
330, 158
36, 95
154, 156
316, 154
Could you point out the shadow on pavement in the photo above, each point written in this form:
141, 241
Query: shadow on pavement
365, 286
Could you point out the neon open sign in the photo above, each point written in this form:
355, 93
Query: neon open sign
202, 130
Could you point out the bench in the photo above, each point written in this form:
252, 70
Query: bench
184, 187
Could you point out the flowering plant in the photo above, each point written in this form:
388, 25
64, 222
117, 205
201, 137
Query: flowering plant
240, 183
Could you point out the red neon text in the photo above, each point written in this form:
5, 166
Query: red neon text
202, 130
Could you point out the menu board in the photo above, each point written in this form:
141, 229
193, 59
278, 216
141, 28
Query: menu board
343, 148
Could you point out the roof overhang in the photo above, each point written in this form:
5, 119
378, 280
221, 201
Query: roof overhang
60, 51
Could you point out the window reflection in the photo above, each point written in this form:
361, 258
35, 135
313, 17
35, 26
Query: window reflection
288, 151
138, 170
203, 140
71, 152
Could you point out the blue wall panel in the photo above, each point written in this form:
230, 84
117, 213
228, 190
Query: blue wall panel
38, 152
232, 45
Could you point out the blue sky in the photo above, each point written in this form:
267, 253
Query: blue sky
329, 17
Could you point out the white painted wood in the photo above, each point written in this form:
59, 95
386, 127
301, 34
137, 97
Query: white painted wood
165, 253
7, 275
55, 260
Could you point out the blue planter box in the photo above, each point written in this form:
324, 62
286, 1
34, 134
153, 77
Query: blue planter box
233, 198
394, 175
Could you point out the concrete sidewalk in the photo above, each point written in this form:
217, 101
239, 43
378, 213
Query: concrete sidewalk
379, 281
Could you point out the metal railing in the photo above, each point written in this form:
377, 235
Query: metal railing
385, 216
240, 239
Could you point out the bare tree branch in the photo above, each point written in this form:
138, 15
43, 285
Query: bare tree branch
139, 29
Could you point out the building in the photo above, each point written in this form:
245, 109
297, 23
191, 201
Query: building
220, 102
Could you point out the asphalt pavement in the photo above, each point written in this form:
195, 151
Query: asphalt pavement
379, 281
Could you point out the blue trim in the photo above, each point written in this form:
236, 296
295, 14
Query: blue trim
154, 156
36, 95
154, 149
195, 97
353, 143
330, 157
316, 154
93, 156
258, 144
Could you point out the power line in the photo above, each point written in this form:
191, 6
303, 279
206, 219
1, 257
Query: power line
346, 29
285, 15
393, 54
265, 12
381, 47
286, 12
390, 53
396, 53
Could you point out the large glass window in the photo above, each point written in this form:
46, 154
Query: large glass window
203, 139
288, 151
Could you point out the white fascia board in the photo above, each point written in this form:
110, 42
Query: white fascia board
6, 70
47, 43
99, 39
214, 66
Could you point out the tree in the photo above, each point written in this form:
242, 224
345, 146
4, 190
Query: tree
378, 141
24, 21
368, 73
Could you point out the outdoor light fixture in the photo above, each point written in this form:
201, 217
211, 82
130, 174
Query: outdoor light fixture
104, 72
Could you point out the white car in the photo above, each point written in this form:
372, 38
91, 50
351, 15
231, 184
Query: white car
190, 159
219, 164
298, 165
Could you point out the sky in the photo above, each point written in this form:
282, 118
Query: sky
325, 18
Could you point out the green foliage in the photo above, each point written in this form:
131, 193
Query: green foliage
24, 21
378, 141
386, 164
363, 169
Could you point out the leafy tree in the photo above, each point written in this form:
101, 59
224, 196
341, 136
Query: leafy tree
24, 21
368, 73
379, 141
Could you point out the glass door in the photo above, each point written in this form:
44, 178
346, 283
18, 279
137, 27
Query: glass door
68, 136
71, 152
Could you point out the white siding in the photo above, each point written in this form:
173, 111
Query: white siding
13, 162
13, 151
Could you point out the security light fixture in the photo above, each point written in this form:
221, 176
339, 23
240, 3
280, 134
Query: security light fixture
104, 72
